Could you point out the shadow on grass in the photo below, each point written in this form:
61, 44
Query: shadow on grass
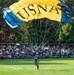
27, 62
53, 63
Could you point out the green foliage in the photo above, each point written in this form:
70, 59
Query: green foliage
43, 31
67, 33
20, 34
37, 31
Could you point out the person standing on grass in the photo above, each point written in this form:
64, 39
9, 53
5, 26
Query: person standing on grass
36, 59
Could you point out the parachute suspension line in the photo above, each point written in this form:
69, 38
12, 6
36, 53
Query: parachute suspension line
20, 33
51, 22
53, 33
44, 34
46, 30
57, 31
36, 30
30, 37
43, 41
33, 39
40, 30
59, 28
35, 33
17, 31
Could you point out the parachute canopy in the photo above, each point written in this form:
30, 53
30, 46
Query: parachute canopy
26, 10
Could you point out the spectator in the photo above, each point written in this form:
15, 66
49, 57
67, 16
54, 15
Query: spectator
26, 51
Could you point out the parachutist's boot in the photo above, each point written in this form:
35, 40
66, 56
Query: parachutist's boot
37, 67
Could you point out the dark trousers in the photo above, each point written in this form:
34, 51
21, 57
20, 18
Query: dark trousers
36, 61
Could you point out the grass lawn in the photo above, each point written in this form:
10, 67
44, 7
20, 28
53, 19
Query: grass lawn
47, 67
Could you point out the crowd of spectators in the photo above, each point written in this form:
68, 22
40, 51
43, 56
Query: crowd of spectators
25, 51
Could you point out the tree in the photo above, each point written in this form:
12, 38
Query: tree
70, 4
67, 33
20, 34
43, 31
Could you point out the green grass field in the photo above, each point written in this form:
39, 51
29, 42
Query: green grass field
27, 67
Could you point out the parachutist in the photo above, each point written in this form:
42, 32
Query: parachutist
36, 59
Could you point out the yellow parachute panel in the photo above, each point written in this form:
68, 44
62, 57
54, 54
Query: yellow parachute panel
27, 10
